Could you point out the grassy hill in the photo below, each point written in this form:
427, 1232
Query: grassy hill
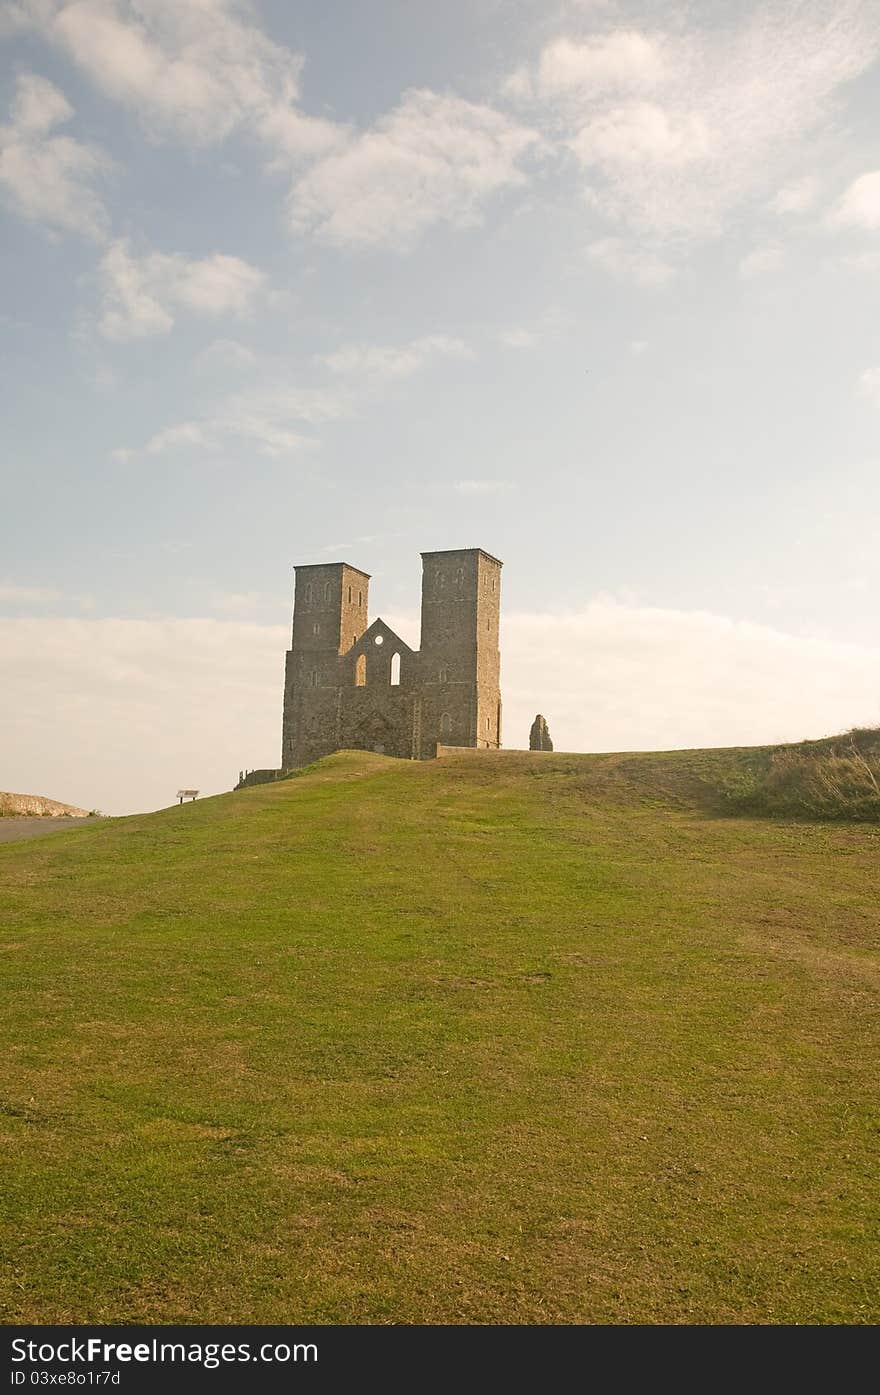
505, 1038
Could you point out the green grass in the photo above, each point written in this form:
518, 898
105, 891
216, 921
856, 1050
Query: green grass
835, 778
505, 1038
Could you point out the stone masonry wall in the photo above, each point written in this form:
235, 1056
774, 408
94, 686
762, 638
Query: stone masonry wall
351, 684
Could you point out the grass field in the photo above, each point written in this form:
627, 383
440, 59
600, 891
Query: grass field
506, 1038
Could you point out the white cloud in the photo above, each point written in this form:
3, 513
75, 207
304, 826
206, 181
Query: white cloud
618, 677
198, 70
379, 361
477, 488
760, 261
140, 294
638, 347
642, 134
184, 433
49, 178
118, 714
434, 158
674, 130
860, 205
12, 594
636, 264
276, 417
272, 418
620, 61
797, 196
865, 262
28, 595
225, 356
869, 384
124, 712
38, 105
517, 338
217, 285
576, 70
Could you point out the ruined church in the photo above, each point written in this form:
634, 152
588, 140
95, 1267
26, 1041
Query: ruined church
354, 684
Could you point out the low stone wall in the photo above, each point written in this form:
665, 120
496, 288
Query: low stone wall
36, 806
256, 777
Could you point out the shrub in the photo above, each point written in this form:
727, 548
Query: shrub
838, 778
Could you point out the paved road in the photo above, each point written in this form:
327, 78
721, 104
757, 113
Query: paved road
11, 829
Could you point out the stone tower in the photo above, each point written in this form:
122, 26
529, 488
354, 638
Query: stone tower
329, 616
460, 658
352, 684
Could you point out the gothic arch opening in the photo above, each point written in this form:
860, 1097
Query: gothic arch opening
360, 671
395, 670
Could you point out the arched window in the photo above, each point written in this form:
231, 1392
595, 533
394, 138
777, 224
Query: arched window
316, 628
328, 591
445, 724
308, 593
395, 670
459, 578
313, 678
349, 595
439, 580
360, 598
360, 671
443, 676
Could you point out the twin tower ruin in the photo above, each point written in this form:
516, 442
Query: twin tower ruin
352, 684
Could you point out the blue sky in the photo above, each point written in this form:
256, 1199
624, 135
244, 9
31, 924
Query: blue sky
594, 286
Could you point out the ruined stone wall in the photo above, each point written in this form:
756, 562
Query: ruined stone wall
351, 684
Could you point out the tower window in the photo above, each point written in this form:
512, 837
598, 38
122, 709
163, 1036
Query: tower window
487, 723
493, 583
349, 595
313, 678
360, 671
360, 597
459, 578
443, 676
316, 628
328, 591
445, 724
439, 580
308, 593
395, 670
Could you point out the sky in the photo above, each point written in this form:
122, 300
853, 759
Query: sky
593, 286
